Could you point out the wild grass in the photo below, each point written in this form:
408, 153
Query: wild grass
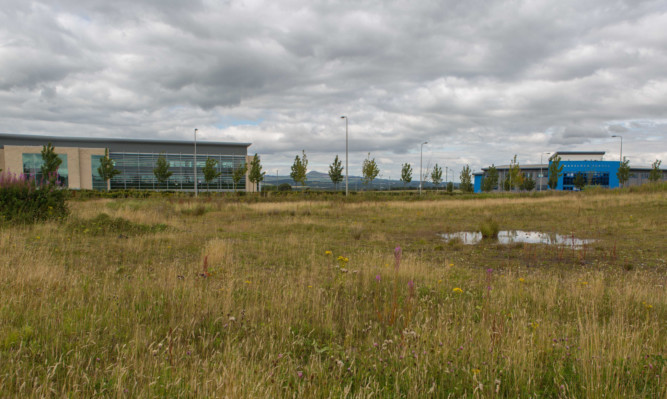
243, 300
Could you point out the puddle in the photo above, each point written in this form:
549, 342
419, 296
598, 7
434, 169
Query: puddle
519, 236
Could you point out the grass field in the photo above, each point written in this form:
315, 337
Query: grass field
223, 298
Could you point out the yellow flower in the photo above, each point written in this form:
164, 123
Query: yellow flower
247, 281
451, 265
476, 371
647, 306
534, 325
310, 286
584, 283
522, 280
439, 281
457, 290
37, 237
328, 253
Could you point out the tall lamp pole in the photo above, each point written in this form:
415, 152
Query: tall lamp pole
195, 164
541, 177
621, 155
421, 152
346, 166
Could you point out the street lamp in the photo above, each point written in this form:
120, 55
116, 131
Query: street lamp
346, 166
541, 177
421, 152
621, 155
195, 164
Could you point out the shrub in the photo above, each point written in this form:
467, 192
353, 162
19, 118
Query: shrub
489, 229
284, 187
104, 224
24, 199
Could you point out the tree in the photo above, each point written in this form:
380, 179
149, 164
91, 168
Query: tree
579, 181
527, 183
299, 169
655, 175
336, 172
256, 175
490, 179
239, 173
406, 174
370, 170
210, 171
51, 163
107, 169
506, 183
436, 175
161, 171
555, 172
623, 173
450, 187
516, 177
466, 179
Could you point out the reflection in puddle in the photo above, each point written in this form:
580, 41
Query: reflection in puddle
519, 236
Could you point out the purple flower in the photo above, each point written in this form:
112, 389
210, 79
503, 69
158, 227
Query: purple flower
377, 278
489, 271
411, 284
299, 374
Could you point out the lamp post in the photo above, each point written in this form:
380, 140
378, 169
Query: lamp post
421, 152
541, 177
621, 155
346, 166
195, 164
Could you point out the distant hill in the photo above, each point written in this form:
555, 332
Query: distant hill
319, 180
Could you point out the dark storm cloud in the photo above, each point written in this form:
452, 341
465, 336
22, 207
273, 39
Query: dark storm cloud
479, 80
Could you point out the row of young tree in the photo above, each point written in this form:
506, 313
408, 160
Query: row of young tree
370, 171
515, 178
107, 170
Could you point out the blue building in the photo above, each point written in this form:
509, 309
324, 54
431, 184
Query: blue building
589, 164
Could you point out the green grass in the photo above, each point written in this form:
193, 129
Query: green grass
122, 305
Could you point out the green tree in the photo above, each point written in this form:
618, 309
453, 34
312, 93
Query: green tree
516, 177
238, 174
490, 179
161, 171
623, 173
300, 169
506, 182
256, 175
450, 187
555, 172
210, 171
336, 172
436, 175
370, 170
406, 174
579, 181
655, 175
107, 169
527, 183
51, 163
466, 179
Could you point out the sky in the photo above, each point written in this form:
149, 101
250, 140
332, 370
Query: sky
479, 80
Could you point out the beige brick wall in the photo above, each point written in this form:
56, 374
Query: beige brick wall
78, 162
2, 159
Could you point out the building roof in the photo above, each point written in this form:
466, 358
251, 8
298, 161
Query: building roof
101, 140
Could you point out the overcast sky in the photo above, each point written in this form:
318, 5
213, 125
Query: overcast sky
479, 80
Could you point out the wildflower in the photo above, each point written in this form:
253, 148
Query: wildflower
534, 325
522, 280
299, 374
310, 286
439, 281
398, 252
489, 270
584, 283
451, 265
248, 281
476, 371
328, 253
457, 290
647, 306
377, 278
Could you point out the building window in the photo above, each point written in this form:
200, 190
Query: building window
98, 182
32, 164
137, 171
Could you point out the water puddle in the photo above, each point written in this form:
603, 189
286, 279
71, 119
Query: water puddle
519, 236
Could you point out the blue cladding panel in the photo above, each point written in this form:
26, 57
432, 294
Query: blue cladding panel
601, 173
478, 183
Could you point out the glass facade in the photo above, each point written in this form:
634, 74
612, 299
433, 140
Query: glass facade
137, 171
592, 179
32, 164
98, 182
